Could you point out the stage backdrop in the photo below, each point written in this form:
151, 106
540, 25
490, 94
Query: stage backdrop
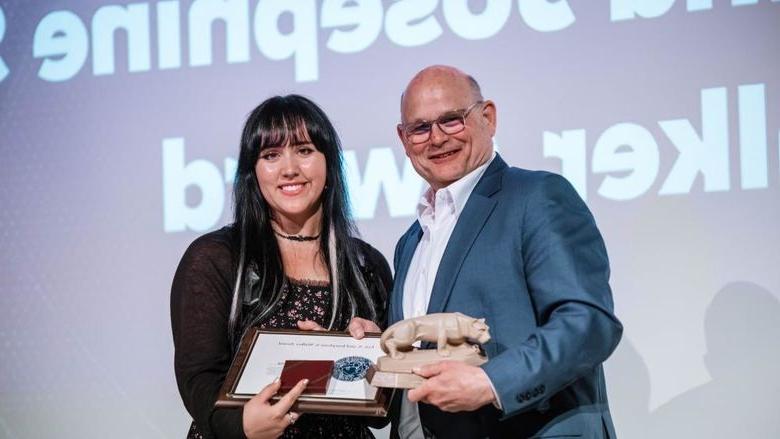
119, 128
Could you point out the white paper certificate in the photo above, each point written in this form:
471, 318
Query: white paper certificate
352, 358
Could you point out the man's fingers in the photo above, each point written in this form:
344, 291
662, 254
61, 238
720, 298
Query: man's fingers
429, 370
284, 404
359, 326
268, 391
364, 324
356, 329
416, 395
309, 325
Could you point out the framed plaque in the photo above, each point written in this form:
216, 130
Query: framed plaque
263, 352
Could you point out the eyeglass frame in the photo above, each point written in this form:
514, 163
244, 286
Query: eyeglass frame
461, 112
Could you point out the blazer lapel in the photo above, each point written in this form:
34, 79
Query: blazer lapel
411, 239
470, 222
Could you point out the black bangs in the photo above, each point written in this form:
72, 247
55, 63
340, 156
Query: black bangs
281, 130
288, 121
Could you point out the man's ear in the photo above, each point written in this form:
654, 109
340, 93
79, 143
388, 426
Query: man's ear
489, 115
400, 132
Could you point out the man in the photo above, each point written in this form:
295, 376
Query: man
516, 247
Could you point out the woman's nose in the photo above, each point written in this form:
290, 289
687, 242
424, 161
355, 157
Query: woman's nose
290, 165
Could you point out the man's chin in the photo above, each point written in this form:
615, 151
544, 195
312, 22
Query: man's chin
444, 179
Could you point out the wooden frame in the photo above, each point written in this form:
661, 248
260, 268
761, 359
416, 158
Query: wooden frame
230, 397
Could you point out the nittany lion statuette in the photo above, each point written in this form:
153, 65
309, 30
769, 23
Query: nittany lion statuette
445, 329
456, 336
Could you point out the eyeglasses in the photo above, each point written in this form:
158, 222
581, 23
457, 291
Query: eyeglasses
450, 123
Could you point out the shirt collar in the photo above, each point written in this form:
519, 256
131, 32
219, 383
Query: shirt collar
459, 191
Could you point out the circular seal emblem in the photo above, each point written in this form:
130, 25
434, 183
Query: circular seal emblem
351, 368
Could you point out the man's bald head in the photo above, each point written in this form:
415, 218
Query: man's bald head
439, 74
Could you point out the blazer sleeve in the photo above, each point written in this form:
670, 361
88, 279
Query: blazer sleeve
567, 276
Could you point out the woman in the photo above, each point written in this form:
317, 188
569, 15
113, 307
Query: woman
289, 260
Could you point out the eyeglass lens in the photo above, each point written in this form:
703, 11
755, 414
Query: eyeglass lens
449, 123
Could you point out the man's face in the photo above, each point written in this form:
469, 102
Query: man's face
445, 158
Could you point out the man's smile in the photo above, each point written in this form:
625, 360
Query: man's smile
442, 156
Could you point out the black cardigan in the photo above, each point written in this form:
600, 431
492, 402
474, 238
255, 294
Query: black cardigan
200, 305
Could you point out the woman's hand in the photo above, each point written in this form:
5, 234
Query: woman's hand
262, 420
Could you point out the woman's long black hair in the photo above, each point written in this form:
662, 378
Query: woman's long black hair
260, 274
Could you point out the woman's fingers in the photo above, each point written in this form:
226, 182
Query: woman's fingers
259, 418
309, 325
268, 391
284, 404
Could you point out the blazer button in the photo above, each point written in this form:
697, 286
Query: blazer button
535, 392
520, 398
541, 388
527, 395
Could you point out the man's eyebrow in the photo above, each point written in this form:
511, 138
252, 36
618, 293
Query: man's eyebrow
451, 112
455, 111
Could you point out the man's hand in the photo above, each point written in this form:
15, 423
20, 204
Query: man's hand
310, 325
453, 386
359, 326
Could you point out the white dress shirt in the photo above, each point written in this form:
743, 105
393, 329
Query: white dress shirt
437, 213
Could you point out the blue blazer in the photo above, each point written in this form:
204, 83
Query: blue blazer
527, 256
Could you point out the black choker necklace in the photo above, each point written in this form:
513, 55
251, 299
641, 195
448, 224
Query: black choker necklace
298, 238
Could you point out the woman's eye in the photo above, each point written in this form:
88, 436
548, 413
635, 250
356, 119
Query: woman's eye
305, 150
271, 155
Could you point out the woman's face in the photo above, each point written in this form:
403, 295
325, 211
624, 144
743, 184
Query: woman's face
291, 179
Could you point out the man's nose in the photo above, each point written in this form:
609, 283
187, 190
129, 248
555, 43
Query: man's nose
437, 135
